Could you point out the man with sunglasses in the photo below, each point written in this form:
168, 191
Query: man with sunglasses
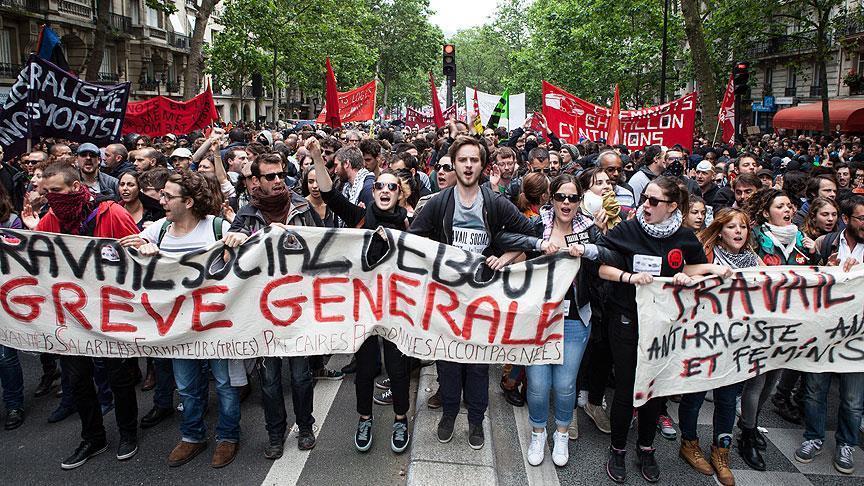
89, 162
611, 163
31, 160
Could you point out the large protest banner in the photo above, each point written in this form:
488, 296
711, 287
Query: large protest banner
46, 101
575, 120
355, 105
717, 332
487, 102
160, 115
419, 120
304, 291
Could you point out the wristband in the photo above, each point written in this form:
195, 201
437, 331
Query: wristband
630, 278
621, 276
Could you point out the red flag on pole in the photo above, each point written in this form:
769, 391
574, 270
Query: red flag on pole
332, 99
437, 115
726, 117
614, 135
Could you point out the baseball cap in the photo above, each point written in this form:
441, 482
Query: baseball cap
704, 166
181, 152
764, 172
171, 136
88, 148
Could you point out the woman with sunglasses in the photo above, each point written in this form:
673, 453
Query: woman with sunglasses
653, 244
384, 211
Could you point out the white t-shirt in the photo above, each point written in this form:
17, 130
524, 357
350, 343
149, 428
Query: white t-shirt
201, 237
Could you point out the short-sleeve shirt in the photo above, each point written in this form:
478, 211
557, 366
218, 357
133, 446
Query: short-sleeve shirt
201, 237
469, 231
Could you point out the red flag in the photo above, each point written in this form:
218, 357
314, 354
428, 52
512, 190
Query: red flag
149, 118
332, 99
355, 105
614, 136
726, 117
437, 116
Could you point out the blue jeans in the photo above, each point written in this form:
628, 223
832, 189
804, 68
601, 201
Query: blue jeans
724, 411
558, 377
12, 378
163, 392
816, 406
192, 385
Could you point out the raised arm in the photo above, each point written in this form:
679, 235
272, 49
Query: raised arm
325, 183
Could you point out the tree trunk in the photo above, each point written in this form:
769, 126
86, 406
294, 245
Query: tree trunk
822, 54
94, 61
195, 60
275, 88
702, 68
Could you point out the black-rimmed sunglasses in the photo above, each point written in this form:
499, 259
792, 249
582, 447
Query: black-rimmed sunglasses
444, 168
389, 185
652, 201
561, 197
273, 176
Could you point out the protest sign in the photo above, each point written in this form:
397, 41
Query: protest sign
46, 101
718, 332
487, 102
575, 120
355, 105
303, 291
160, 115
414, 118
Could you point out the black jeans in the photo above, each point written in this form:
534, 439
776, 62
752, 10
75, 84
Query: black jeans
623, 333
396, 364
471, 379
273, 399
122, 383
599, 361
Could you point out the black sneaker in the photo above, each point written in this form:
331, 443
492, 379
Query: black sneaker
305, 439
14, 419
85, 451
476, 439
155, 416
616, 465
648, 465
383, 383
46, 383
327, 374
384, 398
127, 448
363, 437
275, 449
350, 367
401, 436
445, 428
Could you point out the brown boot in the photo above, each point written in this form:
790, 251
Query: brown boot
692, 454
225, 453
720, 463
185, 452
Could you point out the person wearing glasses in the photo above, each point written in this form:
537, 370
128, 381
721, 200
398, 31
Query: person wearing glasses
610, 161
384, 210
31, 160
653, 244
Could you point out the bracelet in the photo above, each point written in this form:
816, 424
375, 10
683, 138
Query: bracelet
630, 278
621, 276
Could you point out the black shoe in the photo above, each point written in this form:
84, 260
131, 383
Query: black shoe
244, 392
401, 436
748, 450
155, 416
513, 397
275, 449
350, 367
306, 439
445, 428
363, 437
59, 414
127, 448
759, 439
476, 439
790, 413
14, 419
46, 383
383, 383
616, 465
85, 451
383, 398
648, 465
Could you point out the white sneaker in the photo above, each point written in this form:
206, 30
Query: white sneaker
560, 452
582, 400
573, 430
537, 448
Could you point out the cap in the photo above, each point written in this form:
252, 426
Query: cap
171, 136
704, 166
88, 148
181, 152
764, 172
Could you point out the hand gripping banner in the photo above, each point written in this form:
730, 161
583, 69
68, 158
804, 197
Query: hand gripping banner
304, 291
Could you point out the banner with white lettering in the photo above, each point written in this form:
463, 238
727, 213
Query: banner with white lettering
303, 291
717, 332
46, 101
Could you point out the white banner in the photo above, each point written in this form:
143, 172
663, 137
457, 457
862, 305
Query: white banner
487, 104
305, 291
718, 332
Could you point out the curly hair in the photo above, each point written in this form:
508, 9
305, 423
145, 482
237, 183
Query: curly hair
206, 195
761, 201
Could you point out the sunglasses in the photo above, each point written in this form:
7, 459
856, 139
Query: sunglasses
652, 201
273, 176
537, 169
561, 197
444, 168
389, 185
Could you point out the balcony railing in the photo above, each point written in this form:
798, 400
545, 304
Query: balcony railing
790, 91
157, 33
120, 23
148, 85
180, 41
75, 9
8, 70
172, 87
28, 5
112, 78
786, 45
815, 91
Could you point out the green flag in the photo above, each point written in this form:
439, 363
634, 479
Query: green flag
502, 110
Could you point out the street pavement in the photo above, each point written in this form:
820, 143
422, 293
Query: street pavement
32, 453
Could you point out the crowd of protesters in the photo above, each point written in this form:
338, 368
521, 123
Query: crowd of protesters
508, 195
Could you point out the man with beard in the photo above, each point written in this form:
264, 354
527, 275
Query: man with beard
503, 178
358, 181
89, 160
117, 161
716, 197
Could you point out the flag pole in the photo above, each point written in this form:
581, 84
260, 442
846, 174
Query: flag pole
714, 139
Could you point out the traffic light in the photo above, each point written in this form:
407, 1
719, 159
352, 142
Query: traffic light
450, 60
257, 85
741, 76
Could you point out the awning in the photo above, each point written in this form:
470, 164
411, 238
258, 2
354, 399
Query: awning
175, 23
849, 114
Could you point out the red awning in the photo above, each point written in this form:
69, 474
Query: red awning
849, 114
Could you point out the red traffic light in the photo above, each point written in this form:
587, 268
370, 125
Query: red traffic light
449, 48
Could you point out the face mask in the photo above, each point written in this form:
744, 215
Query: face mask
675, 169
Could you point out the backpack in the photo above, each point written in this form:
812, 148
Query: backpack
827, 246
217, 229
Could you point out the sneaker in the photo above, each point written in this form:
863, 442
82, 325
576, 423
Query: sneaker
476, 439
598, 414
14, 419
667, 430
434, 401
327, 374
616, 465
537, 448
60, 414
85, 451
382, 383
808, 451
275, 449
363, 437
305, 439
401, 436
843, 459
573, 430
384, 398
648, 464
582, 399
560, 451
127, 448
445, 428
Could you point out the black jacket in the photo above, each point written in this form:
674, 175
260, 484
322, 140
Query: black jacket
718, 197
122, 168
250, 219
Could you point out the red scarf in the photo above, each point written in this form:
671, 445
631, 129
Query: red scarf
72, 208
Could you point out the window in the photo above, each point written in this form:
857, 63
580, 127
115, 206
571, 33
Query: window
109, 61
5, 47
154, 18
769, 78
135, 11
860, 63
817, 75
791, 78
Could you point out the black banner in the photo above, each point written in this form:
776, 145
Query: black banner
46, 101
